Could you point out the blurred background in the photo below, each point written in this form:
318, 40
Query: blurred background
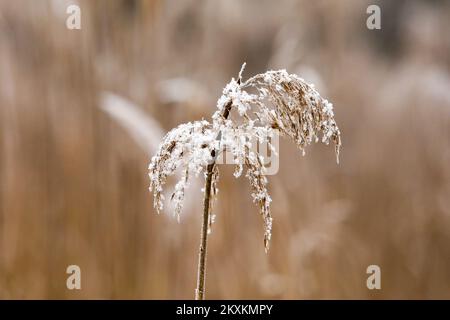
80, 111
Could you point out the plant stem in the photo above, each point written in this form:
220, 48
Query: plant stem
201, 272
200, 291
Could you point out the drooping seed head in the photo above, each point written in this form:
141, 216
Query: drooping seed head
274, 100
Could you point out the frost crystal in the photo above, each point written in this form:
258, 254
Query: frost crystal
271, 101
189, 147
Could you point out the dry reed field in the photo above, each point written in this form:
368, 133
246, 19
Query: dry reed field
82, 113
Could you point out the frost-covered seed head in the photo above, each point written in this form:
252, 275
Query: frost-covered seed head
268, 101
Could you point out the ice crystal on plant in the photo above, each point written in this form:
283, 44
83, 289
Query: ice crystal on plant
189, 147
274, 100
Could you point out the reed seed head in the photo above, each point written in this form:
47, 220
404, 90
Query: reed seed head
274, 100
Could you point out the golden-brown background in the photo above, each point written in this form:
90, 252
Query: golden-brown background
74, 184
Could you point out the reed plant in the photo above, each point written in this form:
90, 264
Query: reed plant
247, 110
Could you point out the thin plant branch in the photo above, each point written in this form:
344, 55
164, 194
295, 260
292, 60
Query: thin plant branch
201, 272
